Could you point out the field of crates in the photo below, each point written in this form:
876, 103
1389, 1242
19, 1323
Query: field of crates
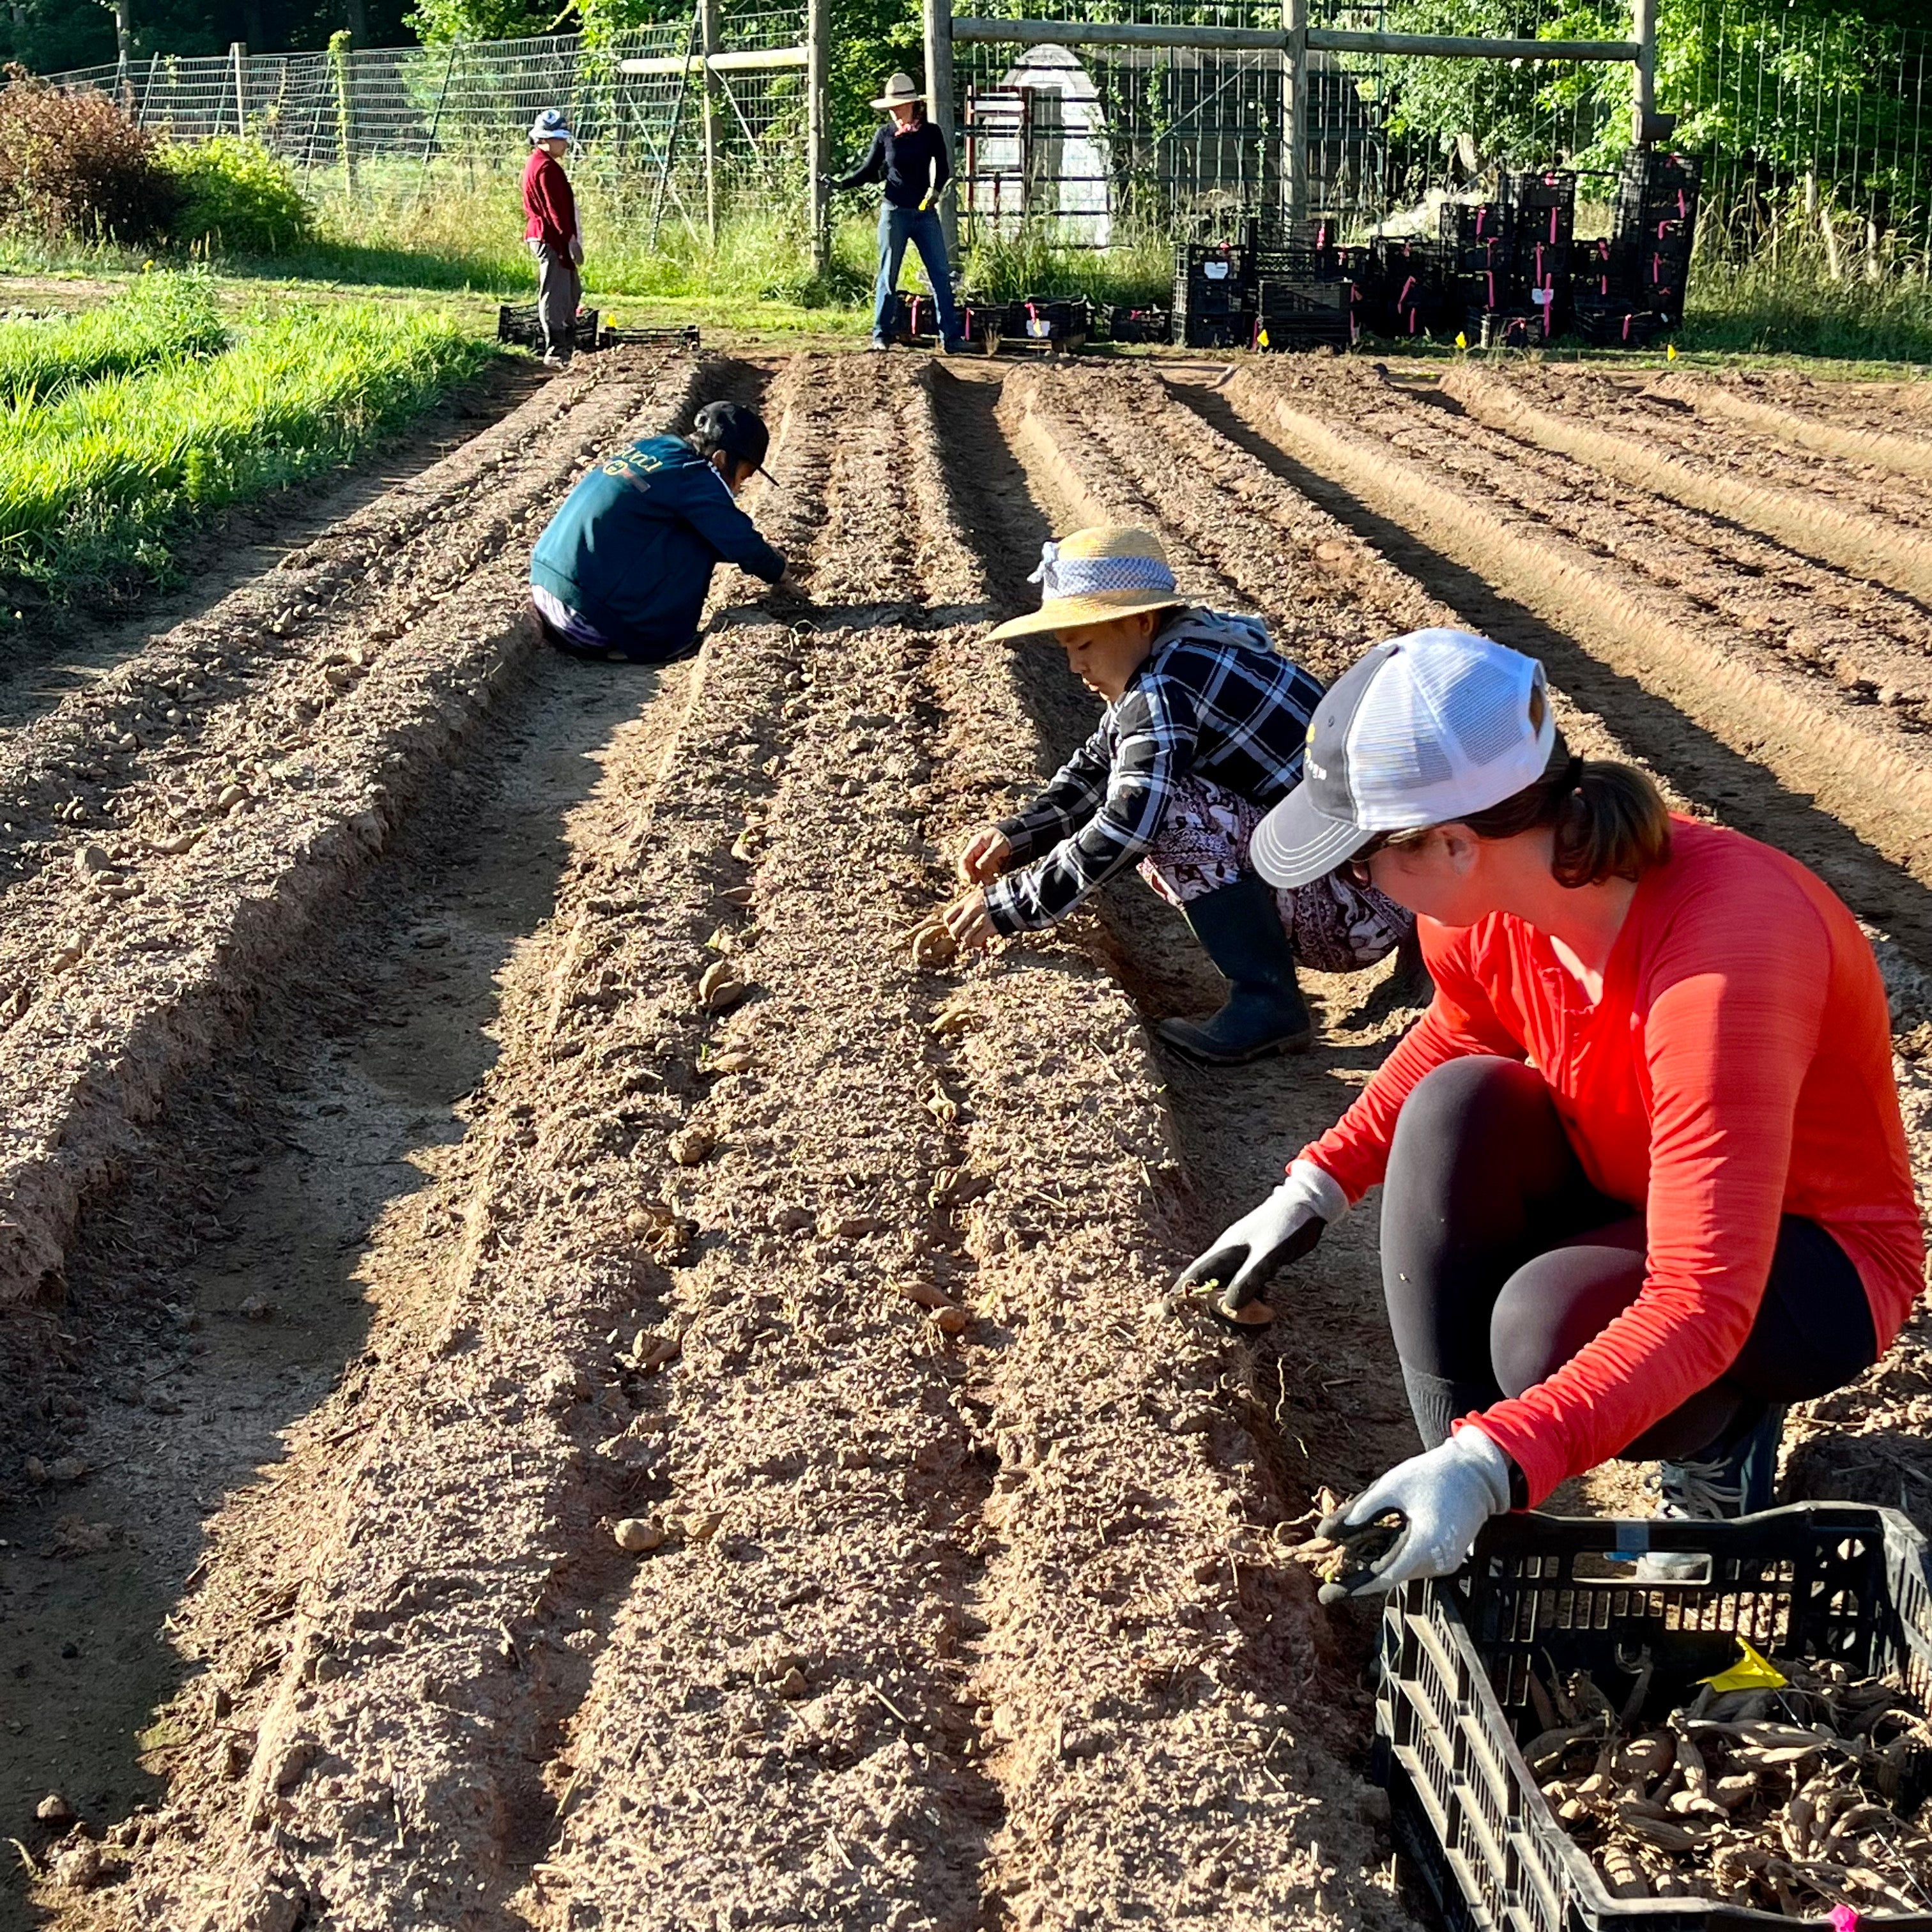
387, 1216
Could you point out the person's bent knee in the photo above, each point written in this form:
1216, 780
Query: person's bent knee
1474, 1094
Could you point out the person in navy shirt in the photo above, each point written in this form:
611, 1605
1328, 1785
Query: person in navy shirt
909, 155
623, 571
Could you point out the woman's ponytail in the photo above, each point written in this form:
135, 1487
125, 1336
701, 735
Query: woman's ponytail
1610, 821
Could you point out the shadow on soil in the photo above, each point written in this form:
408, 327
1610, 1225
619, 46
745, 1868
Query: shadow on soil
217, 1300
1702, 766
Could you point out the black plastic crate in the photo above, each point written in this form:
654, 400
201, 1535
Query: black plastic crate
1618, 324
519, 324
1140, 325
1047, 322
1594, 274
609, 337
1303, 315
1215, 281
1831, 1581
982, 326
1465, 224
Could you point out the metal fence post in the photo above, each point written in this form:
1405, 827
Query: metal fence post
238, 52
1295, 113
708, 15
1643, 85
939, 102
818, 130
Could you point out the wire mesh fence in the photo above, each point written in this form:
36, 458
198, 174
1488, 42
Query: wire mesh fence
472, 103
1089, 145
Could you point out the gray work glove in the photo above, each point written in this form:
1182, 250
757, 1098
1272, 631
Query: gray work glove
1281, 1229
1443, 1496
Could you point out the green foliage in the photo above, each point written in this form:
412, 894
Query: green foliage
436, 23
1785, 290
161, 318
107, 474
1137, 273
236, 199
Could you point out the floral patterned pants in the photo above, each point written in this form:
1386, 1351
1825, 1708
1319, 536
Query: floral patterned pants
1333, 925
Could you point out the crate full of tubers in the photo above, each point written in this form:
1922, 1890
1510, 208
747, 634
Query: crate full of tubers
1682, 1726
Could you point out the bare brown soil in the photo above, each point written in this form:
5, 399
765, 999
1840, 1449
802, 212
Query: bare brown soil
569, 1381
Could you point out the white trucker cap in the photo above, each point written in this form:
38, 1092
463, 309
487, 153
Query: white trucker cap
1424, 729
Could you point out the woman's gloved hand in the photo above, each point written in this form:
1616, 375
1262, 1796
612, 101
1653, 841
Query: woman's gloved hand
1281, 1229
1444, 1495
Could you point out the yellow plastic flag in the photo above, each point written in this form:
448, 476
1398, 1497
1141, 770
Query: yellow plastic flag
1750, 1672
1462, 340
1261, 340
1670, 353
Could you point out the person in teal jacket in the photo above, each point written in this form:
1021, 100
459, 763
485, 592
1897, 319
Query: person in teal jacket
622, 572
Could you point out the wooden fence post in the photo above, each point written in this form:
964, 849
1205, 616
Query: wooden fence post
818, 130
939, 102
238, 52
1295, 115
1643, 86
708, 34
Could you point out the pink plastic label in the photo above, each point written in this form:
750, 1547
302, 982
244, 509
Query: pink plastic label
1844, 1919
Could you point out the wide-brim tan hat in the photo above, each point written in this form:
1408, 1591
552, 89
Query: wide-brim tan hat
901, 91
1094, 576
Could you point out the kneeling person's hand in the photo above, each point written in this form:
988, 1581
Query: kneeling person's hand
1445, 1496
1281, 1229
984, 855
970, 922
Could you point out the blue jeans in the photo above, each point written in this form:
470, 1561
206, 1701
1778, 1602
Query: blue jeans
897, 227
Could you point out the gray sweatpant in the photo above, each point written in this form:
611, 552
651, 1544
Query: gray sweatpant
559, 289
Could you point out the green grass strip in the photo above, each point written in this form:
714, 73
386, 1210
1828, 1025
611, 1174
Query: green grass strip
160, 319
106, 477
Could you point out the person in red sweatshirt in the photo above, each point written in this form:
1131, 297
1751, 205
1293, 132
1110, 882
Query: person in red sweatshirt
1644, 1174
550, 227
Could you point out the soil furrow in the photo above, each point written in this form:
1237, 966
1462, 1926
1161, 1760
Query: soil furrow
1859, 763
774, 1731
431, 1637
1816, 614
1776, 435
1866, 546
127, 966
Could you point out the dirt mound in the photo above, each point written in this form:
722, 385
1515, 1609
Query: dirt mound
770, 1492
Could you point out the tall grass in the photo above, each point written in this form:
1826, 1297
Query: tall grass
1807, 284
463, 229
159, 318
108, 475
1136, 272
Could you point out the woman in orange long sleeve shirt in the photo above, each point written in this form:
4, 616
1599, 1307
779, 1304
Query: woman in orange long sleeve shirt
1645, 1179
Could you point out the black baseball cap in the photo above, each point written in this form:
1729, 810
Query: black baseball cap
738, 431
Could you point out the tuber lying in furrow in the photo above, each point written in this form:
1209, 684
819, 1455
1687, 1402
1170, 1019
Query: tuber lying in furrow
1768, 1798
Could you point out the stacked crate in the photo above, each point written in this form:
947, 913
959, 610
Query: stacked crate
1540, 222
1302, 314
1050, 323
1213, 296
1656, 223
1140, 325
1402, 295
1476, 268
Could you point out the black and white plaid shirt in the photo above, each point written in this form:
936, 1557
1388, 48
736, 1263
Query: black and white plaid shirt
1214, 701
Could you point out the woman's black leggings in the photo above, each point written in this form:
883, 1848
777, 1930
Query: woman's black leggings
1500, 1261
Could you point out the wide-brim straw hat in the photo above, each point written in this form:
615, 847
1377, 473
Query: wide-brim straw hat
1094, 576
901, 91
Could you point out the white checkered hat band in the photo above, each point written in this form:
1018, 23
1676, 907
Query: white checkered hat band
1060, 577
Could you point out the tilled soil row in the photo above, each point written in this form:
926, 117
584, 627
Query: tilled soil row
1866, 764
1876, 532
1874, 640
205, 835
1712, 416
1889, 424
965, 1610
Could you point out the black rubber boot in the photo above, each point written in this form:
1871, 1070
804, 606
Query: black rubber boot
1241, 931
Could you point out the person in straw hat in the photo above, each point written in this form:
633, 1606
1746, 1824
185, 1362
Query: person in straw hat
1202, 733
908, 153
550, 227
